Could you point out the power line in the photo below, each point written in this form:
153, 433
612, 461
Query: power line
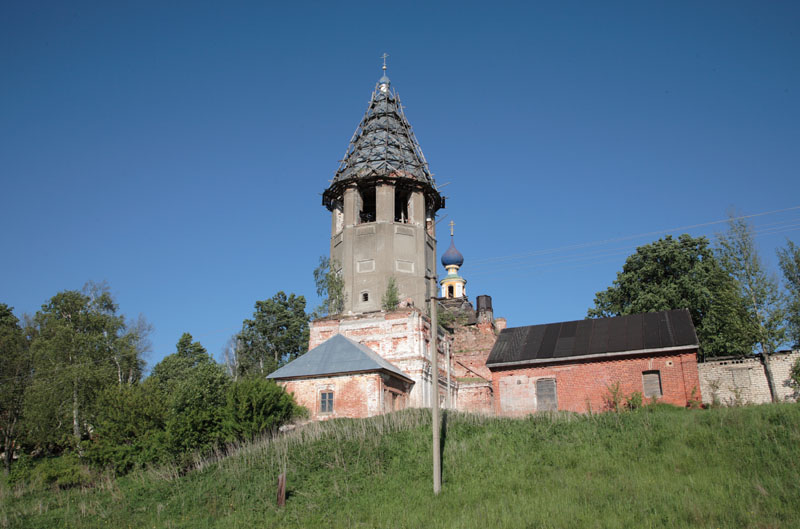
480, 262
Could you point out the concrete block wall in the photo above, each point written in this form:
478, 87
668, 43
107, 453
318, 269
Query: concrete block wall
781, 365
744, 380
583, 386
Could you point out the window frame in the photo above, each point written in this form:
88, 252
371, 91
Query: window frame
326, 398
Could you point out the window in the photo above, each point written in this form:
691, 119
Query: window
401, 199
365, 296
450, 292
367, 210
326, 402
651, 380
546, 399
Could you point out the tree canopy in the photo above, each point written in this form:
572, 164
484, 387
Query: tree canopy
789, 258
330, 287
15, 373
81, 345
759, 291
681, 273
277, 333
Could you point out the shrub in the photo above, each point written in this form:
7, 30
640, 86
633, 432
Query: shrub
794, 375
21, 470
64, 472
635, 401
613, 398
391, 298
254, 406
129, 428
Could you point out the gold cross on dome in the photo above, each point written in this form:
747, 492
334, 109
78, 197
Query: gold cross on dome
451, 227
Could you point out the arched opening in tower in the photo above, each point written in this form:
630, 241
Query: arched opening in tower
401, 199
366, 211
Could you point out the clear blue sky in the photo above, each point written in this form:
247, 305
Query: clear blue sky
179, 151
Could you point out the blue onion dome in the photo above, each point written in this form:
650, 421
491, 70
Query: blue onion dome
452, 257
384, 80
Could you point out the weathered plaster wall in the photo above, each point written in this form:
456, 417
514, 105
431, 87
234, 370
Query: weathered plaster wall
402, 337
582, 386
744, 380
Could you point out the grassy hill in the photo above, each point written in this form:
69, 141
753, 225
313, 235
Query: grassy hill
657, 467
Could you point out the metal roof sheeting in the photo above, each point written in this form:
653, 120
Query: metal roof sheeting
582, 339
336, 355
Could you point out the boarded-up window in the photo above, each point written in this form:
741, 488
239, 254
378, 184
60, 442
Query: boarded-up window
741, 377
651, 380
546, 399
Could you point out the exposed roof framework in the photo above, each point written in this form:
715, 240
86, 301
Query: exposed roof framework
383, 147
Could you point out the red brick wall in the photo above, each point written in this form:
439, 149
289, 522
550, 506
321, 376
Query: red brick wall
470, 349
475, 397
354, 396
581, 386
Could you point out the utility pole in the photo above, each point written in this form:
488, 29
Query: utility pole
437, 456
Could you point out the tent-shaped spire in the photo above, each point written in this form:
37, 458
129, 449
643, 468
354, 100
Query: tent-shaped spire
384, 145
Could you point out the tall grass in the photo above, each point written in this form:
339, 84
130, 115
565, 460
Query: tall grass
656, 467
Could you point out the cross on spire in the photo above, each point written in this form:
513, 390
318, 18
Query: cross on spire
452, 224
384, 60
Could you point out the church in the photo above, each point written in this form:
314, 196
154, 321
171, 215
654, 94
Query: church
365, 360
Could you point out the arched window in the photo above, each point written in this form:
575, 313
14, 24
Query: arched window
366, 212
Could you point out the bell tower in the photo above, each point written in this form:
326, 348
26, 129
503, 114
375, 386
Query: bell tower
383, 203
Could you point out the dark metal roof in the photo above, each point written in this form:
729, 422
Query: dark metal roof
652, 332
336, 355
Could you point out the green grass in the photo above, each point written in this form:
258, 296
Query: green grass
657, 467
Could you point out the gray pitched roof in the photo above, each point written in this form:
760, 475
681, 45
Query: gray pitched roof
336, 355
652, 332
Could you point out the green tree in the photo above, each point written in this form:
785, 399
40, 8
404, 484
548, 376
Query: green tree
391, 298
129, 428
195, 387
681, 273
79, 342
277, 333
15, 375
789, 259
330, 287
254, 406
738, 256
177, 366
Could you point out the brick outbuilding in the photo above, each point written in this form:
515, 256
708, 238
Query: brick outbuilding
342, 378
576, 365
